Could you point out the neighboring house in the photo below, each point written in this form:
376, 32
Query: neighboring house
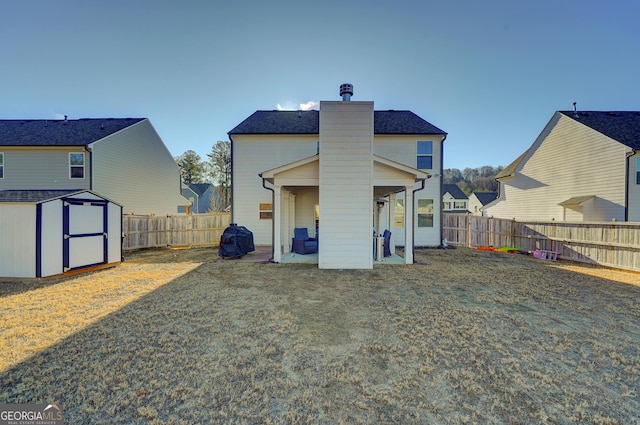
204, 197
328, 171
584, 166
453, 199
123, 160
477, 201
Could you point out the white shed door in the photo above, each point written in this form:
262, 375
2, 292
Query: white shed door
85, 233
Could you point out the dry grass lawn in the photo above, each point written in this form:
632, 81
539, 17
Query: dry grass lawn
181, 337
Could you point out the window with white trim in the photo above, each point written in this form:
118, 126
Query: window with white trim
425, 212
76, 165
266, 211
424, 149
1, 165
638, 170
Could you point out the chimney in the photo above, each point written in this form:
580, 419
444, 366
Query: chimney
346, 91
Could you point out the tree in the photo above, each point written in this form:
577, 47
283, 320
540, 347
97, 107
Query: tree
191, 167
480, 179
220, 169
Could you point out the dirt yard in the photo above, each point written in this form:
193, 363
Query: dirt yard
181, 337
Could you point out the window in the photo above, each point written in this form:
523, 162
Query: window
266, 211
76, 165
425, 212
398, 213
425, 154
637, 170
1, 165
459, 205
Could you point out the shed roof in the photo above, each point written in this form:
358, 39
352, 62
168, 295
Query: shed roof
35, 196
79, 132
308, 122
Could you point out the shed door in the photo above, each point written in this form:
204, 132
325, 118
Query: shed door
85, 233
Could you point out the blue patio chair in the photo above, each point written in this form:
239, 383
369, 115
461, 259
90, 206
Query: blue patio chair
387, 243
302, 243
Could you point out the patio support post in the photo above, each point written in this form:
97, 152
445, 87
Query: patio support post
277, 223
408, 225
391, 220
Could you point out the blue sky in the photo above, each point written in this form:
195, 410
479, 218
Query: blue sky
490, 73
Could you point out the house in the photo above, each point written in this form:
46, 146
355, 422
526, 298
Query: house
204, 197
343, 172
453, 199
50, 232
477, 201
583, 166
122, 159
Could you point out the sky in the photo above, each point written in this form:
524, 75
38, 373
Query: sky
490, 73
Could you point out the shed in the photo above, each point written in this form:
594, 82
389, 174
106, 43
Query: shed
49, 232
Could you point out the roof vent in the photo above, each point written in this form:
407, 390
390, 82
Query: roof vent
346, 91
575, 110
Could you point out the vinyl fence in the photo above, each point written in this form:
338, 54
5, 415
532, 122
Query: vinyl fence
611, 244
150, 231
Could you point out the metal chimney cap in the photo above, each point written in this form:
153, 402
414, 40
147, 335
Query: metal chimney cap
346, 91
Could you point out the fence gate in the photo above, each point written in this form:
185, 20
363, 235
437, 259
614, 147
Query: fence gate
85, 230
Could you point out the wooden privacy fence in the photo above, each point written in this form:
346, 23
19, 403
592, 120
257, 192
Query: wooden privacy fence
611, 244
150, 231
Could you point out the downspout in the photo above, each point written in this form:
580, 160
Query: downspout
273, 199
626, 184
413, 228
89, 150
441, 186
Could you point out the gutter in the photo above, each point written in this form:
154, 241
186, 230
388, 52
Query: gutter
89, 150
232, 185
413, 228
441, 187
273, 196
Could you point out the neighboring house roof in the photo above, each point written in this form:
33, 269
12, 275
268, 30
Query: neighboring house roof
485, 197
454, 190
623, 126
80, 132
35, 195
199, 188
308, 122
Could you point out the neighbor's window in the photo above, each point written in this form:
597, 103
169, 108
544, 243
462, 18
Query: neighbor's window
638, 170
459, 205
76, 165
425, 212
266, 211
1, 165
425, 154
398, 213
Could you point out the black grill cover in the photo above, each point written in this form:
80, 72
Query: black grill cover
235, 241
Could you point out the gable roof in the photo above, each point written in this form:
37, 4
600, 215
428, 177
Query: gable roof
199, 188
308, 122
453, 190
60, 132
485, 197
623, 126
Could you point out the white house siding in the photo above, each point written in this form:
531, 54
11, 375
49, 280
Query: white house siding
633, 198
44, 168
567, 160
402, 148
134, 168
260, 153
475, 205
18, 241
346, 176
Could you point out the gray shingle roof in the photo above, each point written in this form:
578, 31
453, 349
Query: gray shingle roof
308, 122
454, 190
60, 132
486, 197
34, 195
199, 188
623, 126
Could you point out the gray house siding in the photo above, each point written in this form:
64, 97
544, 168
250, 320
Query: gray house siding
135, 168
45, 168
